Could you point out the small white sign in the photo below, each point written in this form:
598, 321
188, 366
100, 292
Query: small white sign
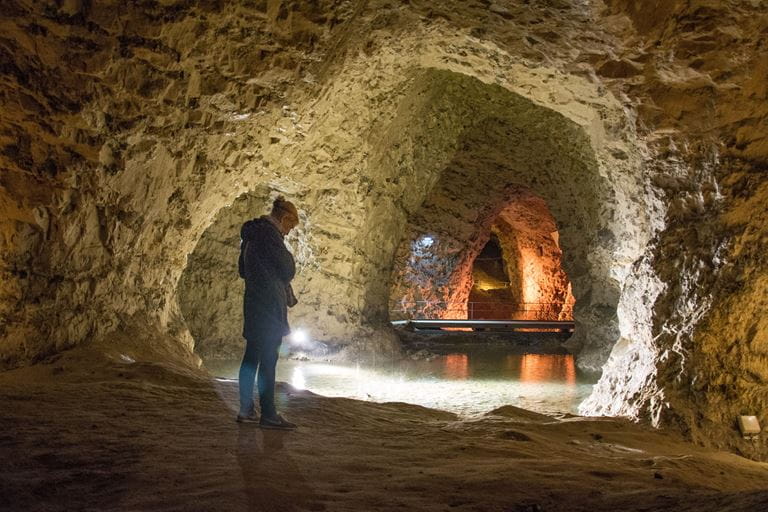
749, 425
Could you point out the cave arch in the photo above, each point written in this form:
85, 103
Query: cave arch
506, 141
210, 291
435, 277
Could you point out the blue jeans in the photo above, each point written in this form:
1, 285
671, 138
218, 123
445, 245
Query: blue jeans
260, 356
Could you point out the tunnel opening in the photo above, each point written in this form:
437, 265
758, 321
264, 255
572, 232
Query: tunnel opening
516, 275
512, 269
506, 149
491, 296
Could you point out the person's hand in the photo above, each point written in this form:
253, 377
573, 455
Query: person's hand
290, 298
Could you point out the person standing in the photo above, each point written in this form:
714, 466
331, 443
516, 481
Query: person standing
267, 267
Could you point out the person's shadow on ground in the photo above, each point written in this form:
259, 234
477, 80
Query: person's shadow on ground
272, 480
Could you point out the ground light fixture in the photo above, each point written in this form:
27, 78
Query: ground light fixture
299, 338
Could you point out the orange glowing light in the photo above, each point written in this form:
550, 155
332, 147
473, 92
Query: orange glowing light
535, 279
456, 366
547, 368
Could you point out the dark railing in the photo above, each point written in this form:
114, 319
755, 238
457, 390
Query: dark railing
561, 326
410, 310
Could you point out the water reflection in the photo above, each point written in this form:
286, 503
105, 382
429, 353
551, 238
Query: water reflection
465, 380
546, 368
456, 366
297, 380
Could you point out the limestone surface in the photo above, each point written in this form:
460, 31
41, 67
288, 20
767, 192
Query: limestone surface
130, 131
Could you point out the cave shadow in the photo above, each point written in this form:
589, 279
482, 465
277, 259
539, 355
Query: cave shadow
272, 479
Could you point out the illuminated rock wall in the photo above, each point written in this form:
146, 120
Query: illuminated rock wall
698, 360
126, 128
530, 242
430, 283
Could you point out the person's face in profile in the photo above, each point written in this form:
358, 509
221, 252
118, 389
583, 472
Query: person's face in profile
288, 222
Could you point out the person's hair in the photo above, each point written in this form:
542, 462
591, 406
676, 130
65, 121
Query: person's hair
281, 207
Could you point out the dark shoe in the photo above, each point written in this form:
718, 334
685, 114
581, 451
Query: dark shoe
247, 418
276, 423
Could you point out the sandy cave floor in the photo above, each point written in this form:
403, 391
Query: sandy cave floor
137, 436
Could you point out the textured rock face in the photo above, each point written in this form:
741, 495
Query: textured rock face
439, 273
697, 360
127, 128
530, 243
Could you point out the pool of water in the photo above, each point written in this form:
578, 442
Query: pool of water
462, 379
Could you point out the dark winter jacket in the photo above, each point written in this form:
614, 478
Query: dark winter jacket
267, 267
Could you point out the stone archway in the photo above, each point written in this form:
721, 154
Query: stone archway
433, 278
482, 143
210, 290
516, 274
529, 240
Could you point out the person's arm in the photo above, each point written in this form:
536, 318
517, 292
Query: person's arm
277, 256
291, 299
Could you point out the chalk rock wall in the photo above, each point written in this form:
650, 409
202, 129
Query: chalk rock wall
701, 101
530, 243
126, 128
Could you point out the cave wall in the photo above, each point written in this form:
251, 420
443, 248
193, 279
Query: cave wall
127, 127
530, 243
698, 364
